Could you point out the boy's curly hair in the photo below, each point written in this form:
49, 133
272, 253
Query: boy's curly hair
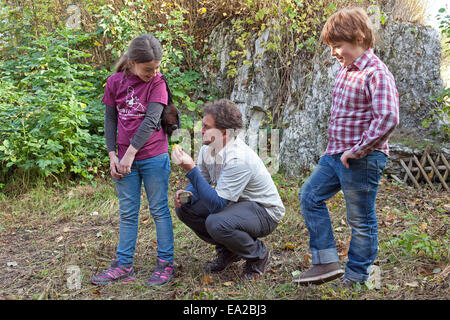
348, 25
225, 113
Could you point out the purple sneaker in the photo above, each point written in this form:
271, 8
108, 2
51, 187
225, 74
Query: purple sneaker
165, 271
114, 273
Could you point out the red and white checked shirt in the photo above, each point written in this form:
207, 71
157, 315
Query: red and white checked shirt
365, 109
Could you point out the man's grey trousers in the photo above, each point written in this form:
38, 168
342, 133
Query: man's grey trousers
236, 228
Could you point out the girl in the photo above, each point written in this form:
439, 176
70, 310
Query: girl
134, 99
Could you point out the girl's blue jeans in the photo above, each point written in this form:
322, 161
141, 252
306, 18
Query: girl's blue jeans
154, 173
359, 184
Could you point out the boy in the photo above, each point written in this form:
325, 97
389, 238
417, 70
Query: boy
364, 113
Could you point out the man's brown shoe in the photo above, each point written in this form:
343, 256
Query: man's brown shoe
254, 269
224, 259
320, 273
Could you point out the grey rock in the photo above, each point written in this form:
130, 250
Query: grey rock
411, 52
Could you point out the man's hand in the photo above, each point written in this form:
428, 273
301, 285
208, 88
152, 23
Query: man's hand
176, 198
345, 156
182, 159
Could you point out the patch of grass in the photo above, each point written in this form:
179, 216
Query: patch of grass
48, 230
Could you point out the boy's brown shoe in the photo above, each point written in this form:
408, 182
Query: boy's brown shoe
320, 273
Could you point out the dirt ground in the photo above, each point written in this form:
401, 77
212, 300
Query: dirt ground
52, 240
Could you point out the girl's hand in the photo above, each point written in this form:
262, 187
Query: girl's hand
127, 160
114, 166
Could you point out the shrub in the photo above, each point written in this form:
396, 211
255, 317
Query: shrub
43, 97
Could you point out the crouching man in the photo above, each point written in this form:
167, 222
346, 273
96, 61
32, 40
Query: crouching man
244, 205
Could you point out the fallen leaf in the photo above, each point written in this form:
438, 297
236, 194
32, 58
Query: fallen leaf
413, 284
59, 239
207, 279
289, 246
423, 226
234, 293
392, 287
306, 258
96, 292
344, 246
207, 289
423, 271
66, 229
295, 273
228, 283
389, 218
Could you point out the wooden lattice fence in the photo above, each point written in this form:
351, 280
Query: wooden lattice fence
430, 170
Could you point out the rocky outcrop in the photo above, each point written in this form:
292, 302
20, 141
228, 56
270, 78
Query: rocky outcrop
411, 52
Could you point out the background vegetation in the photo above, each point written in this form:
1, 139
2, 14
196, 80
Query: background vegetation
58, 206
51, 115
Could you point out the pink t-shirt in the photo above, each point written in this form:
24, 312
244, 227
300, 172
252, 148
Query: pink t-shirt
131, 97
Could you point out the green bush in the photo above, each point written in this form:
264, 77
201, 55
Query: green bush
43, 99
51, 114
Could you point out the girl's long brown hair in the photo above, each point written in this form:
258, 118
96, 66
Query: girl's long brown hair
143, 48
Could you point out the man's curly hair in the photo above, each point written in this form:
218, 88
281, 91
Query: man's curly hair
226, 114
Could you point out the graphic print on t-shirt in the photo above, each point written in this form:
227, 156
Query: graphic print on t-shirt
133, 106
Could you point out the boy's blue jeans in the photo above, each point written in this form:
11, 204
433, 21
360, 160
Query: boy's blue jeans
359, 184
154, 172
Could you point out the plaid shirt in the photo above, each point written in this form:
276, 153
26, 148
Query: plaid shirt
364, 111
